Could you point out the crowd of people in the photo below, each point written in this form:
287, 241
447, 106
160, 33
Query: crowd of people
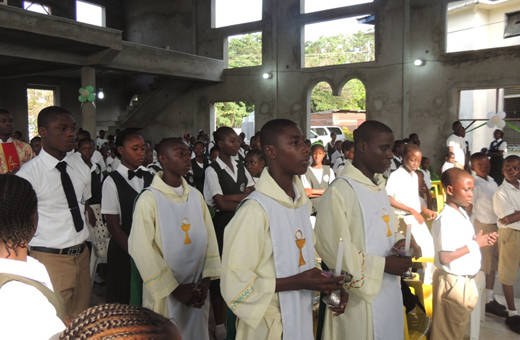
246, 234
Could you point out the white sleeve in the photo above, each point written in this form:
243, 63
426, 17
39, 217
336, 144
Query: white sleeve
305, 182
392, 184
109, 198
97, 157
211, 186
503, 147
250, 181
332, 176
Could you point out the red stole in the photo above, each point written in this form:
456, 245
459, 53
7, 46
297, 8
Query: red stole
11, 156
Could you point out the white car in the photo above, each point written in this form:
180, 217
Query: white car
323, 133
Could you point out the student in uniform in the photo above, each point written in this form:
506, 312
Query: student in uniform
318, 176
457, 258
356, 208
119, 191
226, 184
62, 185
172, 229
26, 290
148, 162
348, 155
199, 164
268, 272
255, 163
496, 152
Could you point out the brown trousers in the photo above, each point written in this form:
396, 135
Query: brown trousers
70, 276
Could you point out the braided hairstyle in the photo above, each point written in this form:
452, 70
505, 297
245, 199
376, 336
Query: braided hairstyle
118, 321
18, 204
221, 133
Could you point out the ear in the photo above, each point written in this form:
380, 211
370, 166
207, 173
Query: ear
120, 149
42, 131
270, 151
162, 159
449, 190
362, 146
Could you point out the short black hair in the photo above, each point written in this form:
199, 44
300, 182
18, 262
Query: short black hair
36, 139
84, 133
167, 143
124, 135
17, 205
50, 114
512, 158
411, 148
477, 155
455, 123
412, 135
450, 176
221, 133
347, 145
366, 131
272, 130
85, 140
215, 148
449, 154
4, 111
397, 143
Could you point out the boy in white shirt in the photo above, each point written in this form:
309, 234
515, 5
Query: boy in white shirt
485, 219
457, 258
506, 203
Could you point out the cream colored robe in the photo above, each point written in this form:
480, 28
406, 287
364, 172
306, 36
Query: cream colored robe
340, 216
248, 278
145, 246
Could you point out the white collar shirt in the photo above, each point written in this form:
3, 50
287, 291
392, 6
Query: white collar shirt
483, 192
9, 140
452, 230
27, 301
506, 201
55, 224
404, 188
459, 147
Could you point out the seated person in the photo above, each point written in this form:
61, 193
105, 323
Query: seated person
30, 308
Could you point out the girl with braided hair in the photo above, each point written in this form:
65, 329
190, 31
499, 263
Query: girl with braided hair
25, 285
118, 321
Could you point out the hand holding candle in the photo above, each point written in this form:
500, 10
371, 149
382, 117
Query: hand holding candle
339, 259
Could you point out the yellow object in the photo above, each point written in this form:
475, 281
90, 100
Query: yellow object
438, 194
422, 291
300, 243
185, 227
386, 218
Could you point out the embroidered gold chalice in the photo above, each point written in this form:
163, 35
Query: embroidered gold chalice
185, 227
386, 218
300, 243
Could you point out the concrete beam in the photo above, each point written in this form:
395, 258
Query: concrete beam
158, 61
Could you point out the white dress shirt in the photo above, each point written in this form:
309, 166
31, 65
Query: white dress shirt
318, 173
505, 202
26, 313
459, 147
404, 188
55, 225
452, 230
483, 192
211, 184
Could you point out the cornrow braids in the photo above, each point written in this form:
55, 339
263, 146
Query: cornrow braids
118, 321
18, 203
221, 133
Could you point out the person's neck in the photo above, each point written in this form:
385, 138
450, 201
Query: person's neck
199, 159
364, 170
87, 161
513, 183
130, 167
284, 180
19, 255
454, 205
410, 171
484, 178
317, 165
173, 180
5, 138
226, 159
59, 155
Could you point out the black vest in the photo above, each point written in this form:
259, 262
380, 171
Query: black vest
95, 186
228, 185
199, 173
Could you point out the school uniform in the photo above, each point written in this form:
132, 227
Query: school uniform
404, 188
506, 201
455, 293
446, 166
427, 178
26, 293
396, 163
221, 180
57, 242
496, 162
13, 154
459, 148
358, 210
270, 237
317, 179
485, 219
173, 242
198, 170
154, 168
99, 234
335, 156
118, 195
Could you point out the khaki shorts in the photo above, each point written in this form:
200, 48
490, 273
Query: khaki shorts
509, 258
489, 253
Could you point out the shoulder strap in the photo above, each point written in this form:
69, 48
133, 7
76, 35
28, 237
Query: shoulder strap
53, 297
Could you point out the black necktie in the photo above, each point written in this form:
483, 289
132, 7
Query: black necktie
138, 173
71, 196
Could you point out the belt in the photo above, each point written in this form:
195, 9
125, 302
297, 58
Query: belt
466, 276
75, 250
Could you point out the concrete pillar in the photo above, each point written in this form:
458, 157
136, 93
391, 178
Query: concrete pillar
88, 110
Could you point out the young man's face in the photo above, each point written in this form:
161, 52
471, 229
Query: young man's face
230, 145
412, 160
177, 159
497, 134
292, 152
86, 150
132, 152
481, 167
60, 135
457, 129
6, 124
425, 164
462, 191
511, 170
415, 140
337, 146
378, 152
318, 153
36, 146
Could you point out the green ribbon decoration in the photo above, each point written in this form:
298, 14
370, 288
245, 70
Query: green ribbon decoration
477, 127
513, 127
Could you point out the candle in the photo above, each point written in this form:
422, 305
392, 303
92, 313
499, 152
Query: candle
339, 259
408, 238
